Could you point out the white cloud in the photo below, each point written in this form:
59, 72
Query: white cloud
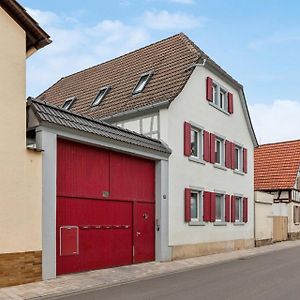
44, 18
275, 39
182, 1
166, 20
77, 48
277, 121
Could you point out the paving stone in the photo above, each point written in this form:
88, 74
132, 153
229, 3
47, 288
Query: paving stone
107, 277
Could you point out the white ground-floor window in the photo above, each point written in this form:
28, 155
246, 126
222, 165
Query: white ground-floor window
196, 206
238, 209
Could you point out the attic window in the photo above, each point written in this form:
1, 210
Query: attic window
100, 96
69, 103
142, 83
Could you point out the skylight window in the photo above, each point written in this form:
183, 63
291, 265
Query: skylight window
69, 103
142, 83
100, 96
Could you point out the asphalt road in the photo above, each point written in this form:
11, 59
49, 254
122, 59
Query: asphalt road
274, 275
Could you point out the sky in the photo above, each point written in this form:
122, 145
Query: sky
257, 42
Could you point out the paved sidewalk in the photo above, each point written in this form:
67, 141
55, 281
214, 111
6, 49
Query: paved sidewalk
103, 278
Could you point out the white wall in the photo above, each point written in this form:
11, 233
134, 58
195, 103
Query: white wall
263, 216
191, 105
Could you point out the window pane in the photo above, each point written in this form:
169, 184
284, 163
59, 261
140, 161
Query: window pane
194, 206
194, 143
214, 88
218, 151
237, 158
237, 209
218, 207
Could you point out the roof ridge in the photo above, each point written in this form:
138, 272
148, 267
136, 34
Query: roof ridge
94, 120
281, 142
120, 56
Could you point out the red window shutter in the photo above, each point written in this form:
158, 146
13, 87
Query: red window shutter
209, 89
232, 156
206, 206
230, 103
245, 210
232, 209
187, 139
212, 148
245, 160
227, 208
212, 207
206, 146
187, 205
228, 154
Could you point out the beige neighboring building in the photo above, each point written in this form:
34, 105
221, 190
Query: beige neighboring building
20, 173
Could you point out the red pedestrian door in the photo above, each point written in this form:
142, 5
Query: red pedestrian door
144, 232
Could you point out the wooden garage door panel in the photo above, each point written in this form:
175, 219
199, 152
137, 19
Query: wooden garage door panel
131, 178
82, 171
98, 248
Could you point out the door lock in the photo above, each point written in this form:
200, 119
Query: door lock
138, 233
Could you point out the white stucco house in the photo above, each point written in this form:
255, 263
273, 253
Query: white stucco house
172, 91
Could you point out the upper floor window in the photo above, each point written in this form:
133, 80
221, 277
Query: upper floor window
196, 142
219, 96
238, 209
238, 158
144, 79
69, 103
219, 151
220, 207
100, 96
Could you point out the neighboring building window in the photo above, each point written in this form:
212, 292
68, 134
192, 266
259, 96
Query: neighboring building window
296, 214
196, 142
69, 103
220, 208
238, 209
142, 83
100, 96
238, 158
197, 206
219, 151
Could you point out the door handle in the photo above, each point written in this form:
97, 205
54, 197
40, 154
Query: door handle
138, 233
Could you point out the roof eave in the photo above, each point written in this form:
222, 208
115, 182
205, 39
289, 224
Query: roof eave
36, 37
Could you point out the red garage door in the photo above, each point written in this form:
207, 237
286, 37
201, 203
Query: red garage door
105, 208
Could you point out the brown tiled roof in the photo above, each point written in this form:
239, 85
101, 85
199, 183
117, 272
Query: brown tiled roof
171, 61
276, 165
35, 36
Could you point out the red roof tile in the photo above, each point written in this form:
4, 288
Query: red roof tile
276, 165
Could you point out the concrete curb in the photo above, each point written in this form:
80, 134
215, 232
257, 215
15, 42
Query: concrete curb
42, 290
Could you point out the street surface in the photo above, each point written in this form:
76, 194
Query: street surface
274, 275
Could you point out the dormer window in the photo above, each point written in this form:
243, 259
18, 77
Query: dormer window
144, 79
69, 103
100, 96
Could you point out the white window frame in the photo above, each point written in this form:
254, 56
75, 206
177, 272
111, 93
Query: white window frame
100, 96
222, 154
70, 102
199, 132
240, 217
239, 162
147, 77
222, 220
199, 219
217, 90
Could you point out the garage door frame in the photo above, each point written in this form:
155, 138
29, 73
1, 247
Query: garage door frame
46, 138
